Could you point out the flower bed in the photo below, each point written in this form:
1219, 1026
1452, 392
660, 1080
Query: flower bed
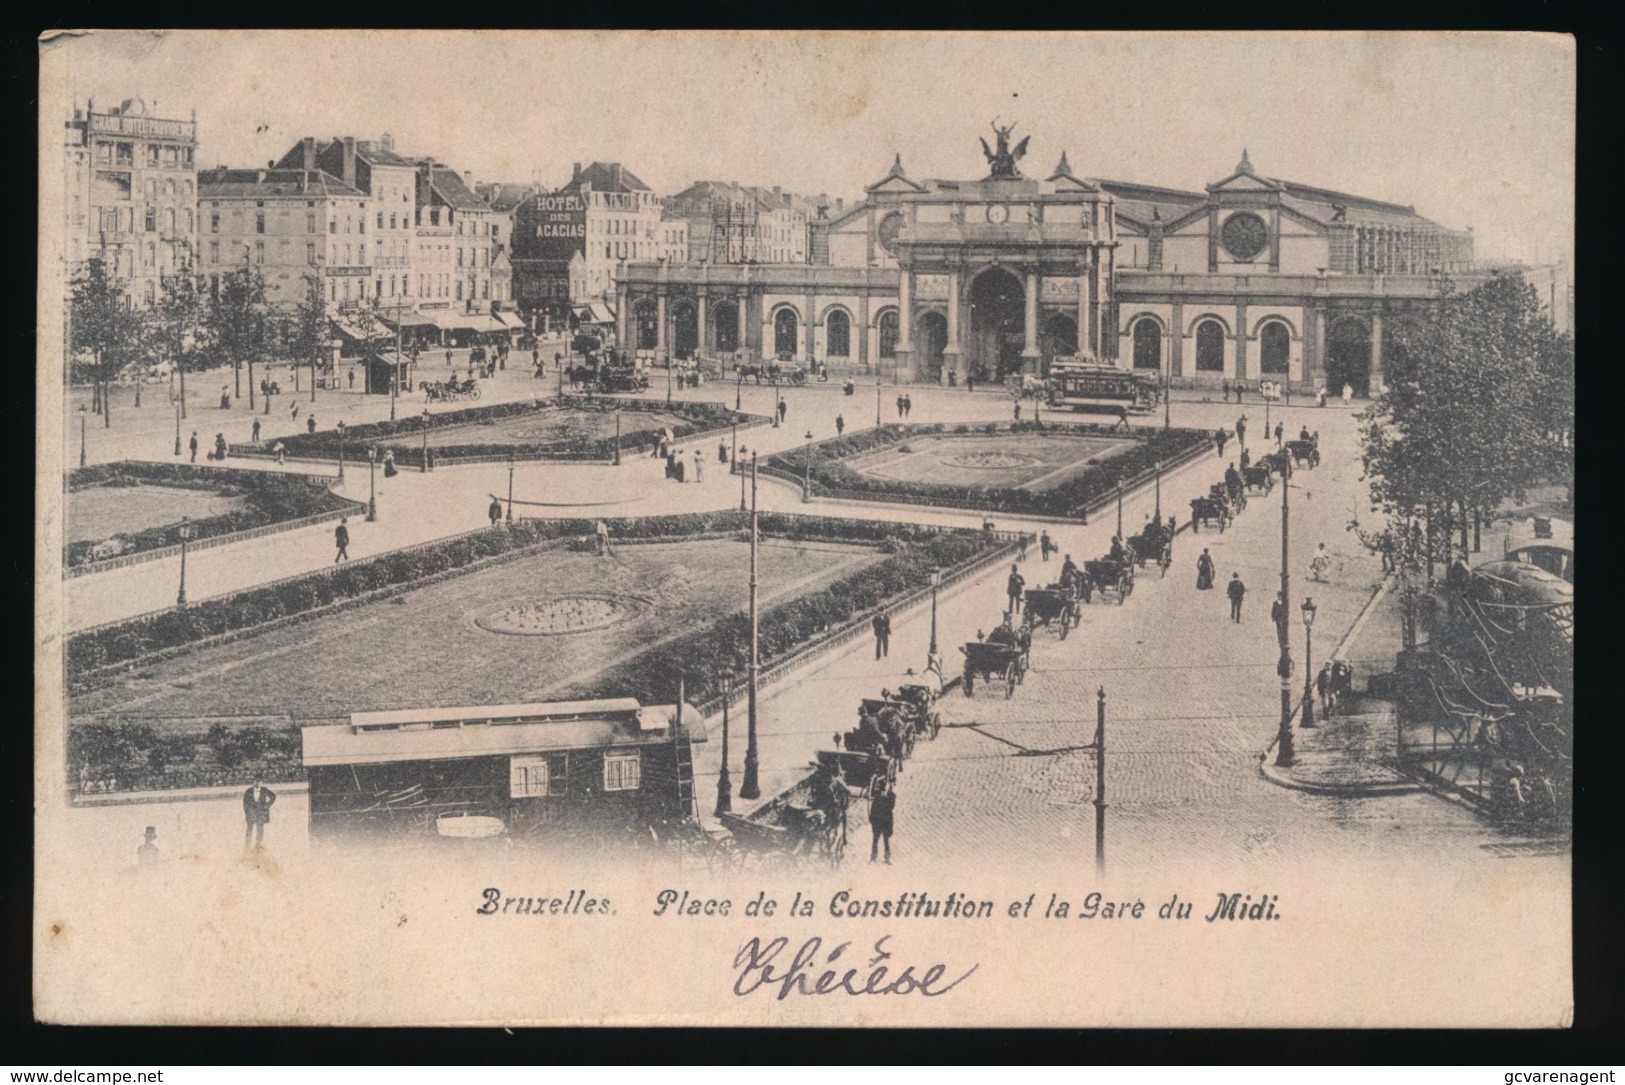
271, 498
833, 478
404, 436
122, 642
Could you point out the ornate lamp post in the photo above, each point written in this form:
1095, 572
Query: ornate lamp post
1158, 513
617, 446
1284, 757
725, 787
777, 400
511, 465
739, 391
82, 445
372, 484
1308, 609
341, 449
733, 456
751, 788
424, 466
668, 381
877, 401
742, 473
936, 583
1119, 508
806, 466
185, 534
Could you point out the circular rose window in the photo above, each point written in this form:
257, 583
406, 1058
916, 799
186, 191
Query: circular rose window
1244, 236
886, 232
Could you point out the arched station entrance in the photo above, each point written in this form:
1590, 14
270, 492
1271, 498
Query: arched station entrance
1348, 357
932, 337
725, 327
685, 330
997, 317
1059, 338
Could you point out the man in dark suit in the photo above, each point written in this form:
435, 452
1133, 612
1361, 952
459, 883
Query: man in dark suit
1235, 590
257, 802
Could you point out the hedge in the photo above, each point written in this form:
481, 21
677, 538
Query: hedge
272, 499
124, 641
404, 435
833, 478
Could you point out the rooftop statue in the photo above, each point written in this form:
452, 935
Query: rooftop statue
1003, 160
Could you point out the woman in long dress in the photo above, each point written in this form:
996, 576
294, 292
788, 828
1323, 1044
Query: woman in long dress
1204, 572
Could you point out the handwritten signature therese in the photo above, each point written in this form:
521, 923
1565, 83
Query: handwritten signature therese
762, 965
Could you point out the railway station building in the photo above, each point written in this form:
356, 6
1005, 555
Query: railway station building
931, 280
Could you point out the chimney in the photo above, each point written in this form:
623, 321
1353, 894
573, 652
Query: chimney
307, 148
576, 176
468, 178
349, 160
270, 164
387, 143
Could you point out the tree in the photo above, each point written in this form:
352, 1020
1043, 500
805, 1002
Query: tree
177, 320
307, 328
105, 326
1478, 409
239, 323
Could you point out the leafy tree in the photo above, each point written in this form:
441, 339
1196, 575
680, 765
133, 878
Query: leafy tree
106, 327
177, 321
239, 323
1479, 408
305, 334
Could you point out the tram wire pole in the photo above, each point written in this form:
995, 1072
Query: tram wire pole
751, 788
1100, 781
724, 782
1284, 756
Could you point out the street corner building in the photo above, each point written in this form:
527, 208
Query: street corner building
560, 770
1255, 278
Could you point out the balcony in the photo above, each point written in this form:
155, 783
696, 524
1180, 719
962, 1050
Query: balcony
145, 127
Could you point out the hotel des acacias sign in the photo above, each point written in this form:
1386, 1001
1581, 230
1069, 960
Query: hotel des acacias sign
561, 226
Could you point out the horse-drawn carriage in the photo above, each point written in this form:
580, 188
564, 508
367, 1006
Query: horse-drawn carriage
805, 821
1108, 575
597, 376
1055, 606
1209, 510
445, 391
996, 661
1259, 476
773, 372
1154, 543
859, 770
1304, 452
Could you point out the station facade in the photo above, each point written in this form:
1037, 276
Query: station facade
933, 280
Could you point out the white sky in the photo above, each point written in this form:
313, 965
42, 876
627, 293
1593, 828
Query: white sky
1474, 130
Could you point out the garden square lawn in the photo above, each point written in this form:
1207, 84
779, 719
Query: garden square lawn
428, 648
547, 426
101, 512
1028, 461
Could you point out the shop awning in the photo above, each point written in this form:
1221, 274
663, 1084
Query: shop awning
595, 313
347, 327
477, 322
408, 320
510, 320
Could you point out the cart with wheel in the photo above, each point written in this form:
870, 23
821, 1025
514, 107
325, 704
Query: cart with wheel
1052, 607
923, 698
1107, 575
993, 663
1304, 452
1155, 544
901, 712
795, 825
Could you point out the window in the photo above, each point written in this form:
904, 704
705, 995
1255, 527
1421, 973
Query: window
332, 226
124, 154
1210, 347
259, 222
150, 220
361, 224
214, 252
622, 771
1274, 347
1147, 345
310, 222
259, 252
310, 252
186, 187
169, 189
391, 221
152, 154
378, 289
151, 257
361, 255
785, 327
888, 334
191, 223
214, 222
169, 220
380, 220
459, 290
838, 335
528, 777
459, 256
332, 290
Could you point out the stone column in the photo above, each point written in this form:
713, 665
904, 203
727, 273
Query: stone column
1319, 343
661, 338
905, 321
741, 302
1091, 288
951, 352
863, 328
1085, 270
1241, 340
1376, 351
811, 326
623, 322
1176, 340
1029, 326
700, 317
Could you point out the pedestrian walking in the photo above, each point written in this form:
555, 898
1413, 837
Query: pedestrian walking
1348, 394
699, 469
310, 423
448, 361
148, 851
1241, 429
840, 425
495, 511
192, 444
600, 532
1018, 410
225, 397
1204, 571
1277, 613
882, 818
1279, 430
220, 446
352, 378
1012, 588
722, 451
1320, 564
389, 463
293, 413
899, 406
1044, 545
1322, 684
279, 450
970, 382
784, 409
1227, 391
908, 405
341, 540
1235, 590
256, 430
882, 628
257, 802
1220, 437
1320, 396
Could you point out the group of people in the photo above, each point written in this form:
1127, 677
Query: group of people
905, 406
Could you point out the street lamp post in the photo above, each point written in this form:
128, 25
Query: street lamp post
877, 401
1308, 609
511, 465
82, 437
739, 392
1119, 508
733, 455
177, 427
936, 583
742, 473
424, 466
751, 788
1158, 514
778, 400
341, 449
725, 803
1284, 757
185, 534
372, 484
668, 382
